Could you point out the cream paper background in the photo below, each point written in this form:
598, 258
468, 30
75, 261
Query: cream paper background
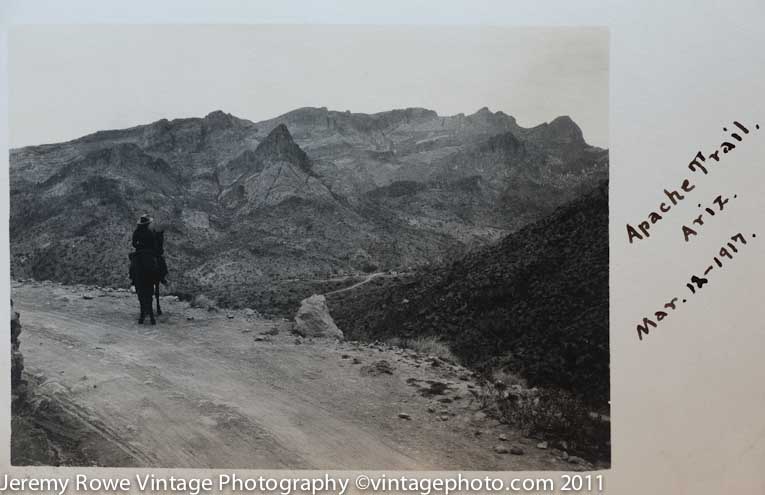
688, 402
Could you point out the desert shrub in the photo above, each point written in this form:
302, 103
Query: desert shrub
369, 267
430, 345
553, 415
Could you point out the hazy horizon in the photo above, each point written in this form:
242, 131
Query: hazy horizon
70, 81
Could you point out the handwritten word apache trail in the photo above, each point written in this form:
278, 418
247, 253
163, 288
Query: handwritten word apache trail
700, 163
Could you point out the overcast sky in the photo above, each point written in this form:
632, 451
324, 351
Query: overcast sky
68, 81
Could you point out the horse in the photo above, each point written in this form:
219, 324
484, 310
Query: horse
147, 270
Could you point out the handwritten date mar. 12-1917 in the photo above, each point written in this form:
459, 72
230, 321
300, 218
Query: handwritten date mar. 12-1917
696, 283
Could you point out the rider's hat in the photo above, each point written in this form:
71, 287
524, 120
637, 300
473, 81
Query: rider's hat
144, 220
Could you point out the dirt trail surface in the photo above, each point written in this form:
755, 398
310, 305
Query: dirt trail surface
213, 389
366, 280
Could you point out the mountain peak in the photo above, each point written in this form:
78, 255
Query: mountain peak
565, 127
279, 146
219, 119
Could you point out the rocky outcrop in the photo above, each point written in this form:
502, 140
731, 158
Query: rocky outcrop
313, 319
18, 388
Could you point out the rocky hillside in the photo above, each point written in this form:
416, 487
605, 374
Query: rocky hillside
535, 303
311, 193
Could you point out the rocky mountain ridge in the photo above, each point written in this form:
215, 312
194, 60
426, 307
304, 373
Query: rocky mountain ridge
313, 192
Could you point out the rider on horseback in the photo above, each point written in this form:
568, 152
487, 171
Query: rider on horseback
145, 239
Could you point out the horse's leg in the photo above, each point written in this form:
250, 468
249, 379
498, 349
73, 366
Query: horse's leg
156, 294
150, 303
142, 303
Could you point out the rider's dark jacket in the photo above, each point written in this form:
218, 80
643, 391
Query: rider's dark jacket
143, 238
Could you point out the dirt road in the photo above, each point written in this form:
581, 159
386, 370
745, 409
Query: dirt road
209, 389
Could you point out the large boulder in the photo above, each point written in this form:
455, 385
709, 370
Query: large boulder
313, 319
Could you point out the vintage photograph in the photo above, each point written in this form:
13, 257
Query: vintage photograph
310, 247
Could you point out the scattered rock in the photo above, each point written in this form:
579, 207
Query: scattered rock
87, 296
444, 417
230, 316
434, 388
576, 460
431, 409
298, 341
345, 356
260, 338
502, 437
272, 331
381, 367
501, 449
515, 450
356, 361
542, 445
313, 319
405, 416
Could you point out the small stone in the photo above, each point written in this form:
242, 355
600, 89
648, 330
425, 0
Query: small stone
477, 433
515, 450
542, 445
502, 437
230, 316
345, 356
576, 460
87, 296
356, 361
190, 318
501, 449
404, 416
259, 338
431, 409
298, 341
